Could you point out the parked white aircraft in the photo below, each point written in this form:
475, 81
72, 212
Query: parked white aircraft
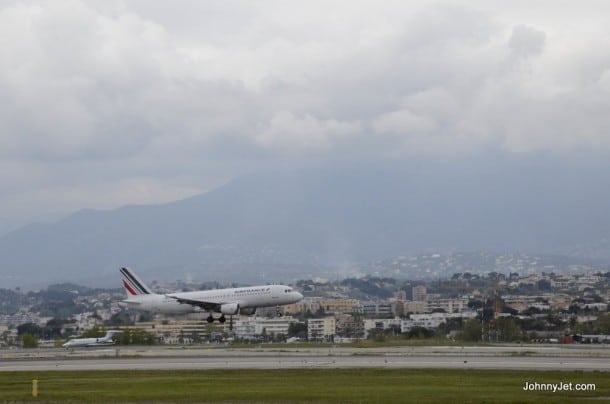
89, 342
224, 301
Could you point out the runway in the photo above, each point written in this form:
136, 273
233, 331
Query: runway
293, 362
566, 358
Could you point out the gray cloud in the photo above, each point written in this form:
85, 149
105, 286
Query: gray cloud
526, 41
110, 103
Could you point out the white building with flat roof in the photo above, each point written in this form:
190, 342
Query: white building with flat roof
321, 329
249, 327
432, 320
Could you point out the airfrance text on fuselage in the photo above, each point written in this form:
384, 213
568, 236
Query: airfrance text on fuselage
253, 290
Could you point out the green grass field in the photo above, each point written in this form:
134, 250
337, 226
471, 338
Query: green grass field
318, 385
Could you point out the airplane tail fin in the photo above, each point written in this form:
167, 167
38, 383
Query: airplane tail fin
133, 285
110, 334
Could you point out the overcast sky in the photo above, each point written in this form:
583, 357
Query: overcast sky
109, 103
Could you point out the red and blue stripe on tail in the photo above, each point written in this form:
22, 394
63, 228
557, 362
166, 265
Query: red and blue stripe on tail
133, 286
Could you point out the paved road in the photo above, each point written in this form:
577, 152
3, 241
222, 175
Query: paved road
309, 361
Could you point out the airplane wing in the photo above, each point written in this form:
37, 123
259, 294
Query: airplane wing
208, 306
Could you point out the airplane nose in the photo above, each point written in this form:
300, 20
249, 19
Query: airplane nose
299, 296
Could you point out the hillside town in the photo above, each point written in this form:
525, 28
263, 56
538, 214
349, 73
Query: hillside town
491, 307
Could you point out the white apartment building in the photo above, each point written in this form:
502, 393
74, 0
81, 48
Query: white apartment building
432, 320
380, 324
448, 305
273, 325
321, 329
250, 327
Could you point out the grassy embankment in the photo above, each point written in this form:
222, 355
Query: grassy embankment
317, 385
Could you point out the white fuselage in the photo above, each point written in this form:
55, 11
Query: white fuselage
88, 342
159, 304
246, 298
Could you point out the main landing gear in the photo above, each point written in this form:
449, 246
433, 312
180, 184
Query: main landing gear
222, 319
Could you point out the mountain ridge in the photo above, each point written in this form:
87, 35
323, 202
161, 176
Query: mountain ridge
316, 220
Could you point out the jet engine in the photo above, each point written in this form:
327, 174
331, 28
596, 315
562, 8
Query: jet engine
229, 308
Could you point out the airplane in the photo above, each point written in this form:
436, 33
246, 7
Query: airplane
229, 302
90, 342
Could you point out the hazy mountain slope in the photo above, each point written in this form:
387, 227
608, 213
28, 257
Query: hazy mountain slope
304, 218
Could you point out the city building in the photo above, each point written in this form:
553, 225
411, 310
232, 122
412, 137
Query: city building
432, 320
349, 326
321, 329
448, 305
339, 305
381, 324
419, 293
415, 307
